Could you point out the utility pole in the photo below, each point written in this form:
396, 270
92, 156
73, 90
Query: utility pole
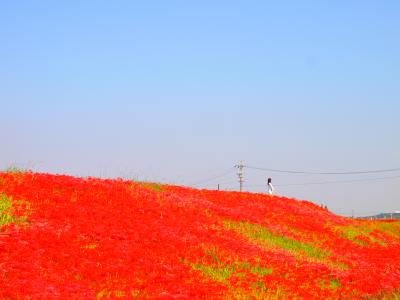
240, 174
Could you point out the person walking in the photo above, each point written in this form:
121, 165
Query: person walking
271, 188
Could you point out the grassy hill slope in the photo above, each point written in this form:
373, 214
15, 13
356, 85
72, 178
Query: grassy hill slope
82, 238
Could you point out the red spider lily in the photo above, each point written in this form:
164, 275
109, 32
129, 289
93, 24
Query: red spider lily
80, 238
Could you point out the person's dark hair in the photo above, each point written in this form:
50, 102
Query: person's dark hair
269, 180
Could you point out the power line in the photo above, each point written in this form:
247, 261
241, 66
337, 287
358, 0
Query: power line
330, 182
324, 173
241, 167
214, 177
341, 181
220, 183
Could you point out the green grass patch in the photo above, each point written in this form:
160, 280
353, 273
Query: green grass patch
222, 272
110, 294
362, 233
231, 272
390, 228
7, 210
219, 270
152, 186
332, 284
216, 273
266, 238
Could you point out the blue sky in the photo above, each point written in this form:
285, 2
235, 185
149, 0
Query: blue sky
179, 91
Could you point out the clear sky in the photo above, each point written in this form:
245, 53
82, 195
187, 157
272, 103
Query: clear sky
181, 91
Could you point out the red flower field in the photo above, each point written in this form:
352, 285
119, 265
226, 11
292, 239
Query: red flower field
63, 237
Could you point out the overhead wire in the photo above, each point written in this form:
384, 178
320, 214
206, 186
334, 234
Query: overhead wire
330, 182
342, 181
231, 170
220, 183
221, 175
324, 173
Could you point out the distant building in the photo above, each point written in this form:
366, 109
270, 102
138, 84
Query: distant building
394, 215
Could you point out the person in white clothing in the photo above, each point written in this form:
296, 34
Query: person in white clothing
271, 188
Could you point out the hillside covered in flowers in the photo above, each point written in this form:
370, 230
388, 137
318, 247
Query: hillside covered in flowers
63, 237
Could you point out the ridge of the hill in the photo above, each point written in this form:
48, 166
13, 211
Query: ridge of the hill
79, 238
